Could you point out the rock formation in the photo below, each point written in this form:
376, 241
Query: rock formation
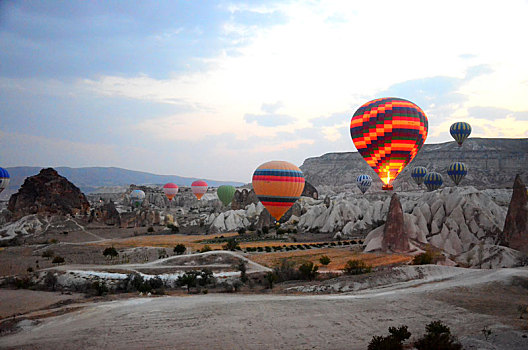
243, 198
515, 232
395, 239
107, 214
309, 191
47, 192
492, 163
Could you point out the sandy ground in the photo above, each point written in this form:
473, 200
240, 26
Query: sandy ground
21, 301
467, 302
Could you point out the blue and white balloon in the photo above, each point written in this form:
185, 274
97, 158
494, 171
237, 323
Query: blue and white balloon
4, 179
363, 182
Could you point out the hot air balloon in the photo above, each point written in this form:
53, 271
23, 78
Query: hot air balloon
363, 182
388, 133
457, 171
199, 187
460, 131
170, 190
418, 174
225, 193
278, 185
137, 197
433, 181
4, 179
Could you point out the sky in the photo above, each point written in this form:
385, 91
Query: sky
213, 89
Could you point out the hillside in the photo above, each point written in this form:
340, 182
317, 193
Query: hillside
492, 163
89, 179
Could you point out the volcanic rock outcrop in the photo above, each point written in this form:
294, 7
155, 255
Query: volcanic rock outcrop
47, 192
395, 238
106, 214
515, 232
243, 198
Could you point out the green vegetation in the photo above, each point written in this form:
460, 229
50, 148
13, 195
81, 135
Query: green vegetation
179, 249
231, 244
324, 260
110, 252
437, 337
58, 260
356, 267
394, 341
308, 270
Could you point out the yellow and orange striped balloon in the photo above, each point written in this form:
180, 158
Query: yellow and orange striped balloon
278, 185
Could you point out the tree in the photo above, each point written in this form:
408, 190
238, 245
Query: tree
325, 260
391, 342
231, 244
206, 277
58, 260
437, 337
180, 249
188, 279
50, 281
270, 279
356, 267
308, 270
110, 252
242, 268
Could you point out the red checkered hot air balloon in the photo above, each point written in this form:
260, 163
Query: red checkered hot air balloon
388, 133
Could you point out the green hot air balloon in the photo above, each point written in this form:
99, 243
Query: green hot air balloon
226, 193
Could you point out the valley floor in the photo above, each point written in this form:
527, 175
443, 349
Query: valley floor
467, 301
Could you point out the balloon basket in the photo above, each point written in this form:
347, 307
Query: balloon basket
387, 188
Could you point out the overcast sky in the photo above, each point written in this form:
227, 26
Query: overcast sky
214, 89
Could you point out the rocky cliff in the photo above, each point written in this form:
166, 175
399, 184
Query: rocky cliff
492, 163
47, 192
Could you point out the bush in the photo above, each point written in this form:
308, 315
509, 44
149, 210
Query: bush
179, 249
325, 260
58, 260
356, 267
437, 337
265, 230
205, 249
205, 277
111, 252
267, 248
150, 229
50, 281
231, 244
29, 269
423, 258
242, 268
48, 254
241, 231
270, 279
99, 288
308, 270
391, 342
188, 279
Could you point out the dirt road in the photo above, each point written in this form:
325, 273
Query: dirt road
230, 321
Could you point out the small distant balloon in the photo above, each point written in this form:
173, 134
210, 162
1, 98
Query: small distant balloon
278, 185
4, 179
460, 132
199, 187
433, 181
457, 171
137, 197
170, 190
363, 182
226, 193
418, 174
388, 133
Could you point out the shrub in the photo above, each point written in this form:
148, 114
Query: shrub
265, 230
99, 288
48, 254
188, 279
267, 248
242, 268
260, 249
231, 244
391, 342
150, 229
356, 267
205, 277
179, 249
58, 260
325, 260
241, 230
270, 279
281, 231
286, 271
173, 228
423, 258
437, 337
50, 281
110, 252
308, 270
29, 269
205, 249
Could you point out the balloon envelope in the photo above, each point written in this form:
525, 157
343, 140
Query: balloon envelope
4, 179
363, 182
418, 174
199, 187
137, 197
433, 181
388, 133
170, 190
278, 185
460, 131
225, 193
457, 171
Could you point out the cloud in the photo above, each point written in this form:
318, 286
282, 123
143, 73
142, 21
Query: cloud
269, 120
